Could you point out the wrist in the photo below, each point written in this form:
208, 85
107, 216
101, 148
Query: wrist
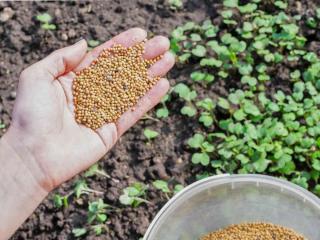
20, 191
23, 160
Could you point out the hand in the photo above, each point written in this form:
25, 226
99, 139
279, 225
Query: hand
43, 123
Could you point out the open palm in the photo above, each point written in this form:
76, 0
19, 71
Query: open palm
43, 116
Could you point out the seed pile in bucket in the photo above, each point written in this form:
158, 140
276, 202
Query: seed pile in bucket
111, 85
254, 231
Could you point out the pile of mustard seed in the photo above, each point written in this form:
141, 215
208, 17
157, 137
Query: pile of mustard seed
254, 231
111, 85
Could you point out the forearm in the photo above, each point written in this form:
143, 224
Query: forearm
20, 192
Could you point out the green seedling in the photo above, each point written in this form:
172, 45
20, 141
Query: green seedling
93, 43
163, 186
177, 188
207, 116
175, 4
94, 170
187, 95
198, 142
134, 195
81, 188
2, 126
97, 211
150, 134
163, 112
78, 232
251, 129
61, 201
46, 20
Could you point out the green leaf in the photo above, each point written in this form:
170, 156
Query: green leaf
316, 164
239, 115
184, 57
247, 27
301, 181
206, 119
78, 232
44, 18
223, 103
230, 3
211, 32
281, 4
162, 112
150, 134
184, 92
245, 69
178, 188
199, 51
57, 200
93, 43
189, 111
195, 37
211, 62
250, 108
47, 26
318, 13
174, 4
126, 199
227, 14
248, 8
97, 229
197, 76
196, 141
201, 158
161, 185
251, 81
261, 165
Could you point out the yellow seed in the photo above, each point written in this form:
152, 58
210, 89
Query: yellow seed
111, 85
253, 231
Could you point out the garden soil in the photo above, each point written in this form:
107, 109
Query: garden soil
23, 42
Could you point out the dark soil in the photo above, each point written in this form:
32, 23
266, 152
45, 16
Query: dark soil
23, 42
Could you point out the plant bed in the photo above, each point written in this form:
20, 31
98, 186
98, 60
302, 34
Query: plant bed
164, 153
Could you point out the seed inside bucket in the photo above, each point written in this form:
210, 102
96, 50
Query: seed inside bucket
111, 85
253, 231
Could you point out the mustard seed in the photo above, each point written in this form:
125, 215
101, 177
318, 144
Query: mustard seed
111, 85
253, 231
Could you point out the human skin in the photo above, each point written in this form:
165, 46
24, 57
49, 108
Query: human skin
44, 145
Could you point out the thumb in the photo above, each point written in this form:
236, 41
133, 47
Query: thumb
63, 60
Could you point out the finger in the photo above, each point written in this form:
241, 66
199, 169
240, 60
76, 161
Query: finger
147, 102
57, 63
126, 39
161, 67
155, 47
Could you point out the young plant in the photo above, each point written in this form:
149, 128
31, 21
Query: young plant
78, 232
163, 186
163, 112
207, 116
150, 134
198, 142
187, 95
93, 43
97, 211
61, 201
95, 170
46, 20
134, 195
175, 4
81, 188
